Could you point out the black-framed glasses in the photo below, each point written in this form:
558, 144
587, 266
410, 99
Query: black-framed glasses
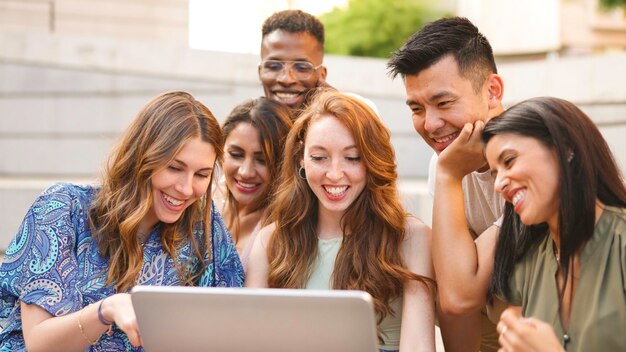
301, 70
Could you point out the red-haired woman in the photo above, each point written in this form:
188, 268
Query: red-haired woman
338, 223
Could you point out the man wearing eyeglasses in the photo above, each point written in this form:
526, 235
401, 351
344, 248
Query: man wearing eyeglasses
292, 51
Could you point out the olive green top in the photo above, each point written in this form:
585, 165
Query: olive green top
598, 313
320, 278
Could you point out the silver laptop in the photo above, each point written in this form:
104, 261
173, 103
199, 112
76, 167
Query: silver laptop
238, 319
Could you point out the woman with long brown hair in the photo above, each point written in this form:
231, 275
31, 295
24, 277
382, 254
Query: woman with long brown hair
337, 222
254, 140
66, 274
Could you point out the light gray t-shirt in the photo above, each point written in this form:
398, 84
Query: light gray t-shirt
483, 205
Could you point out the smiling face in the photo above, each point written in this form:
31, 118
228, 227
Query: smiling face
527, 176
285, 46
333, 165
180, 183
442, 101
245, 169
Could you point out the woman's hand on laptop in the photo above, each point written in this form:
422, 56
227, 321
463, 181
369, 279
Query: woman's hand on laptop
119, 308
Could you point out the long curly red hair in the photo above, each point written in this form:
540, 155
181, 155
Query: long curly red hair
374, 224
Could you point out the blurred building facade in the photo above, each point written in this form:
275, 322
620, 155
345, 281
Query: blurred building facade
73, 73
532, 29
144, 20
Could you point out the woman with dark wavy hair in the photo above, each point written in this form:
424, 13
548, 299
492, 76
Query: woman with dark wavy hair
254, 137
561, 254
337, 222
66, 274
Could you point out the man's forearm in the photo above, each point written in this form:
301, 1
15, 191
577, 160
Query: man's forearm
454, 251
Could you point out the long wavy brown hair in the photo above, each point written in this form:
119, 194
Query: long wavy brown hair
373, 226
150, 143
273, 121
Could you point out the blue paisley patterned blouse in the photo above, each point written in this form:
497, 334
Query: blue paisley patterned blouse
54, 263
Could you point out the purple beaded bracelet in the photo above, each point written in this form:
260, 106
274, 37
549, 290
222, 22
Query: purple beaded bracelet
101, 317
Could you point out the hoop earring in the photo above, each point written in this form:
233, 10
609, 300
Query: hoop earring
302, 173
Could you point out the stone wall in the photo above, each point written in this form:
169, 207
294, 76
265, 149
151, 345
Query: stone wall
141, 20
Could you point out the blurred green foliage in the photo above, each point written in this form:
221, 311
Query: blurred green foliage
375, 28
609, 4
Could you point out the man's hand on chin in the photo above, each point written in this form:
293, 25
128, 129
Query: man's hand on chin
465, 154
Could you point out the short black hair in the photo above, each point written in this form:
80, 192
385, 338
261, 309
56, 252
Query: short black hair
294, 21
455, 36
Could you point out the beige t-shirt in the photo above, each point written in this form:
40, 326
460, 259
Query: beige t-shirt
483, 208
483, 205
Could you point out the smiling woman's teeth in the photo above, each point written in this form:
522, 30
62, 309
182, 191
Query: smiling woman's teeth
336, 191
245, 185
172, 201
517, 197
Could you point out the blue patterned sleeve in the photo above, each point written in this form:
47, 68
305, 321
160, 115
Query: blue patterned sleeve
225, 268
40, 263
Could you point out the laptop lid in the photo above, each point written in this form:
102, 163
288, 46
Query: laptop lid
236, 319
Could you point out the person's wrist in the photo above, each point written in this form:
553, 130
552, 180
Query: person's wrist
445, 175
104, 313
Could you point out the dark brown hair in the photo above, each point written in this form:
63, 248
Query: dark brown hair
590, 173
273, 121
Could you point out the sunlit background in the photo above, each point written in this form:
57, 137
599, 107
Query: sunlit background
238, 22
73, 73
